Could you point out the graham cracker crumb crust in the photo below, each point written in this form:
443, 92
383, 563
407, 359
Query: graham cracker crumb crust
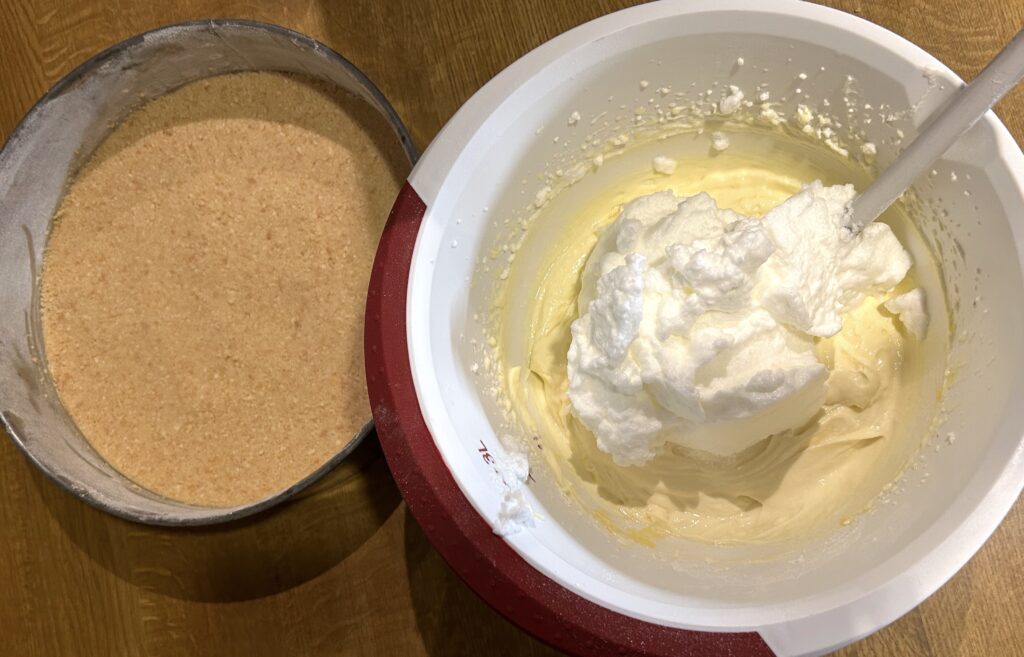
204, 284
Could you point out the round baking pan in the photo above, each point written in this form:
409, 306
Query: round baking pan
51, 143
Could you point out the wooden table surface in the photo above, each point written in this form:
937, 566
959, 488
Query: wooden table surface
344, 569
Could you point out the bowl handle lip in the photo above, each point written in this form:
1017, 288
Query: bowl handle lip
484, 560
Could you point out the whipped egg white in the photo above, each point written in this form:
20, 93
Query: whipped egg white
697, 323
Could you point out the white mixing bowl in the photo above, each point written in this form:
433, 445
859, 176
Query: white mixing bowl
565, 581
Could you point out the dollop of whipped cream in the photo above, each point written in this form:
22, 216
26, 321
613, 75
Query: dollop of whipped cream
697, 323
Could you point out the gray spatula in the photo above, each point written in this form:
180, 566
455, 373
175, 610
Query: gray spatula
944, 128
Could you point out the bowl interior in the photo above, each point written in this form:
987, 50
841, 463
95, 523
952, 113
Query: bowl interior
56, 138
966, 222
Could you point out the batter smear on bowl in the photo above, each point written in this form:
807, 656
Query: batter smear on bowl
205, 279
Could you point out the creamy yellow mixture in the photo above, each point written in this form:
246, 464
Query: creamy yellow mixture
791, 486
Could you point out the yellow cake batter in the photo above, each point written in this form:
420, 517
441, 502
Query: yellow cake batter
791, 486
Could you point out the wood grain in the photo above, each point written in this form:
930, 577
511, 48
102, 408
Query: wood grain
344, 570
